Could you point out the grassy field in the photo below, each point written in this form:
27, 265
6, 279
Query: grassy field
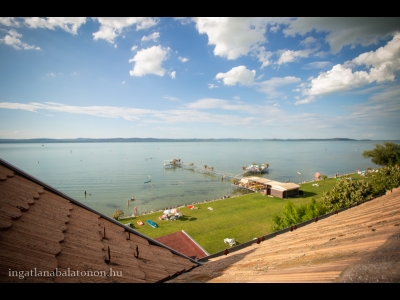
242, 218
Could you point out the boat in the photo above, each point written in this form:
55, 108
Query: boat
172, 163
140, 223
148, 179
151, 223
257, 168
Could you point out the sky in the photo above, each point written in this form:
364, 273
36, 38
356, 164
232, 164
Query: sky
177, 78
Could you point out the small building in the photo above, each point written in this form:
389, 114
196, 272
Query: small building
183, 243
270, 187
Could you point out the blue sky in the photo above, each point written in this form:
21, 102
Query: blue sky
200, 78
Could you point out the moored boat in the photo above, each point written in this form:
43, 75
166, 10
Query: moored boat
172, 163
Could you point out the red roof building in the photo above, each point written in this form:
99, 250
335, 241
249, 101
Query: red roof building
183, 243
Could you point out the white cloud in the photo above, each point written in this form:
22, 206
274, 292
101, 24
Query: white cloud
236, 75
184, 20
13, 39
233, 37
189, 115
111, 27
382, 63
212, 86
148, 61
134, 48
321, 54
173, 74
69, 24
308, 41
123, 82
287, 56
9, 21
269, 86
343, 31
151, 37
183, 59
381, 112
212, 103
51, 74
317, 65
172, 98
264, 57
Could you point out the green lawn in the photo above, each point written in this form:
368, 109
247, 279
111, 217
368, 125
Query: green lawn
242, 218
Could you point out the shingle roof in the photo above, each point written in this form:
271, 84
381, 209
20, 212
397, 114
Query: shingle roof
183, 243
42, 230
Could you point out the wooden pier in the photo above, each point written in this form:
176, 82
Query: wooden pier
214, 172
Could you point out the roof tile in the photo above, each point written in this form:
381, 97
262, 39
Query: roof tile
44, 231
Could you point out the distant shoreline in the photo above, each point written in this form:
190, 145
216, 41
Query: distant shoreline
119, 140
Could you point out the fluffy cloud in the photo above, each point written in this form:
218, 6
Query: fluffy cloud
264, 57
308, 41
13, 39
287, 56
381, 65
148, 61
69, 24
344, 30
111, 27
232, 37
9, 21
212, 86
173, 74
236, 75
151, 37
183, 59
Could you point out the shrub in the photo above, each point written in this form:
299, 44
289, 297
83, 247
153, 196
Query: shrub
292, 215
117, 214
346, 192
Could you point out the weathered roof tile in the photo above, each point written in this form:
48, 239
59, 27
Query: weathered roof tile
43, 230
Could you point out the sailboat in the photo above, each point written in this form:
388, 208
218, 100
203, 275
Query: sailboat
148, 179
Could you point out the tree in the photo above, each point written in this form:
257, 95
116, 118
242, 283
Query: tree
117, 214
387, 178
387, 154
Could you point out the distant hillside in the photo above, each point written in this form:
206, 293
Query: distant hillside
119, 140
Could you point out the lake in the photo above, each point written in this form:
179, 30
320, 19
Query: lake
111, 173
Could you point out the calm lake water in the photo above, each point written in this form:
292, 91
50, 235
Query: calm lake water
111, 173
